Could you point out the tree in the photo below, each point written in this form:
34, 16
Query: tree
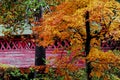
40, 50
84, 23
15, 15
12, 14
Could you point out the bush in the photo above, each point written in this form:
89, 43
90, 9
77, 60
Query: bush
40, 73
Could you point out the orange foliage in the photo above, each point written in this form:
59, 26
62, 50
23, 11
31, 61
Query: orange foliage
102, 61
67, 22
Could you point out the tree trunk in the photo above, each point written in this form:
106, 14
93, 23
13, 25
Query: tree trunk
40, 50
39, 55
87, 45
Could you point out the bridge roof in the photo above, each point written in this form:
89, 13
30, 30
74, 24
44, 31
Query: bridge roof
26, 31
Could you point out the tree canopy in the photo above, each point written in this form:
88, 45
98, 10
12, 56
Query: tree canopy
80, 21
15, 15
68, 22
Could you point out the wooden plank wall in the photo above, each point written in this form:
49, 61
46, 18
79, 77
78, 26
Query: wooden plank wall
21, 53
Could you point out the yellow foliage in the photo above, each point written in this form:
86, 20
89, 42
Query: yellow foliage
94, 42
67, 77
68, 22
68, 18
102, 61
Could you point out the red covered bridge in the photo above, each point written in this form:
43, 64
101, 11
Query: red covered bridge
18, 52
21, 53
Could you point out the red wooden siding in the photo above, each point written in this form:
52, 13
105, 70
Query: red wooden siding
16, 52
21, 53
